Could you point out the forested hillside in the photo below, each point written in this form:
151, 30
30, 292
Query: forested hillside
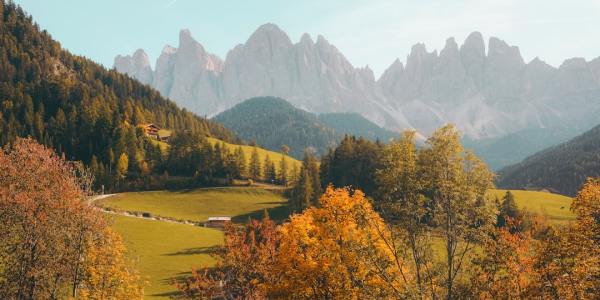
272, 122
513, 148
356, 125
78, 107
563, 168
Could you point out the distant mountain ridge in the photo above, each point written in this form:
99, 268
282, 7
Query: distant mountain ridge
273, 122
487, 91
475, 89
562, 168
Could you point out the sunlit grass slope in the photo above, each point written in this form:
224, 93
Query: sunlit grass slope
199, 204
553, 206
164, 250
262, 154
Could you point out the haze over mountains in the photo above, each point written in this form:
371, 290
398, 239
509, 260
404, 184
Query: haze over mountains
488, 91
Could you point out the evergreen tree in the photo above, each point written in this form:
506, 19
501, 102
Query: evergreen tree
353, 163
303, 192
270, 174
294, 175
307, 188
283, 171
311, 165
255, 167
508, 209
267, 169
80, 108
240, 159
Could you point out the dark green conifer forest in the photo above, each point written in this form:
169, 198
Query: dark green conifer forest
80, 108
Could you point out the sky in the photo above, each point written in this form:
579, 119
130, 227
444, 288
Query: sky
372, 33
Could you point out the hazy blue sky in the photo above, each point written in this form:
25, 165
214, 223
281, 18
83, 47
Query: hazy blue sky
370, 33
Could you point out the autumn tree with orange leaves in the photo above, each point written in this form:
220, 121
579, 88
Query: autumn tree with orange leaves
243, 270
505, 267
49, 232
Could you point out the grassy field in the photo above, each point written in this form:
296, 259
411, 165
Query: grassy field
165, 250
199, 204
553, 206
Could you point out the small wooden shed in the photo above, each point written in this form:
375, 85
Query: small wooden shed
217, 222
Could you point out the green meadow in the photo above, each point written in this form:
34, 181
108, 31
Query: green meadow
554, 207
168, 250
240, 203
163, 250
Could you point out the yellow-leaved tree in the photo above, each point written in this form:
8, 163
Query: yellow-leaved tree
337, 250
107, 273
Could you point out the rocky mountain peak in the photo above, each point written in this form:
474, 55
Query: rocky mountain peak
450, 49
136, 66
472, 54
487, 92
185, 38
419, 62
574, 63
141, 58
306, 39
269, 35
188, 43
498, 48
474, 44
168, 49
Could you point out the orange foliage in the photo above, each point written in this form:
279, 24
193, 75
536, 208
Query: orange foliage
244, 264
46, 224
506, 266
336, 250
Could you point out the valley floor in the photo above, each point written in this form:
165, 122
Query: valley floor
167, 247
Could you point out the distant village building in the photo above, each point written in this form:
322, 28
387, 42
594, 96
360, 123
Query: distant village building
217, 222
151, 130
155, 132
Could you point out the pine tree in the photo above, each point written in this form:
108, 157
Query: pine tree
283, 171
272, 172
311, 166
303, 192
294, 175
508, 209
269, 170
255, 167
240, 159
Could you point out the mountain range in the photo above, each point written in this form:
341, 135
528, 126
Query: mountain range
488, 91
